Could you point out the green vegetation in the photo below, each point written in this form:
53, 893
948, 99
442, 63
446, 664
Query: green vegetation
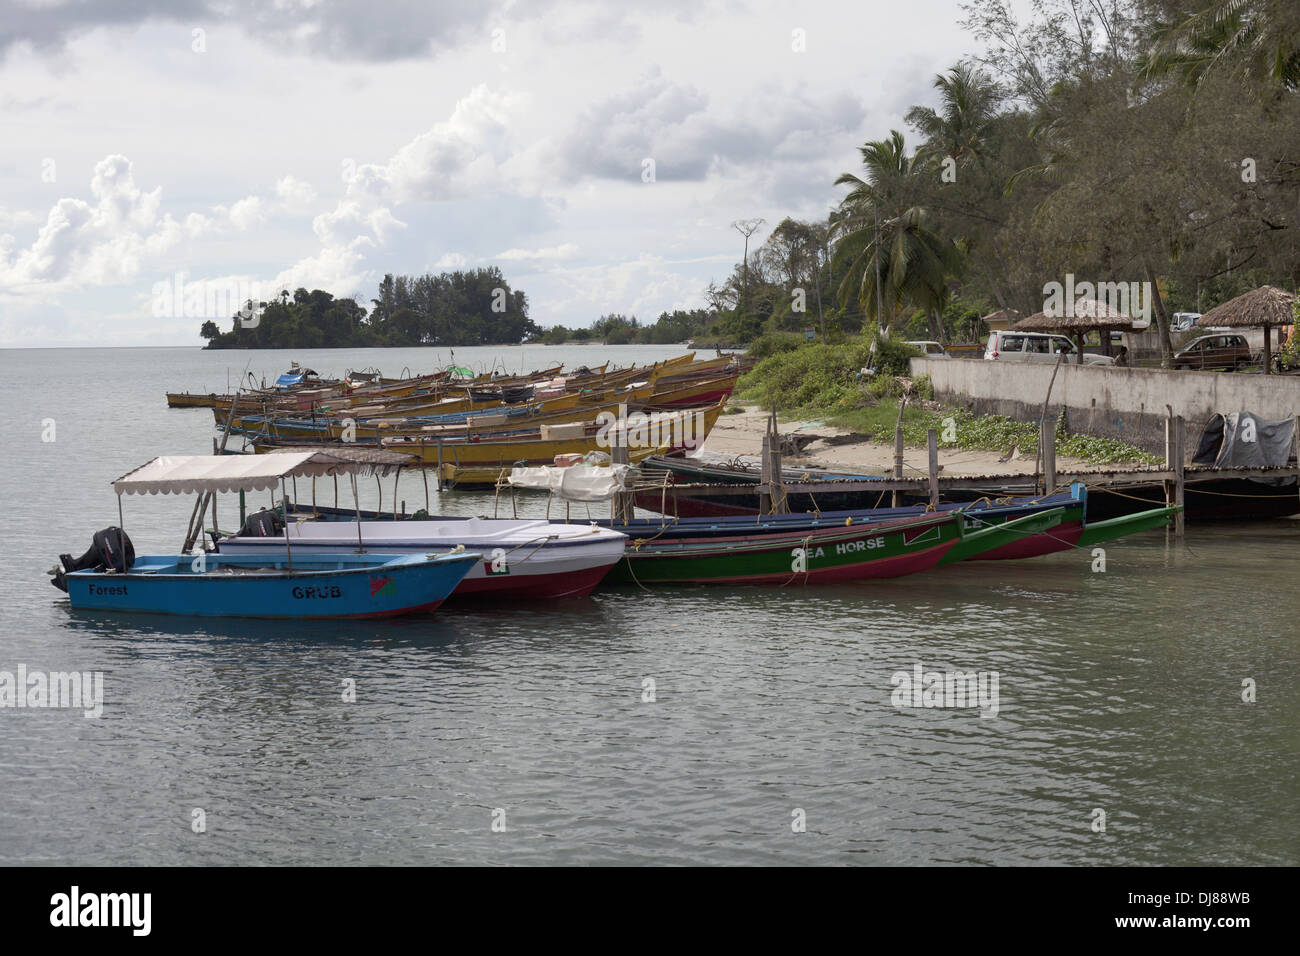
1120, 141
824, 382
455, 308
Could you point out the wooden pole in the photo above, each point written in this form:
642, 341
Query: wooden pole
898, 460
932, 443
765, 486
624, 502
1174, 455
1268, 350
779, 504
1047, 441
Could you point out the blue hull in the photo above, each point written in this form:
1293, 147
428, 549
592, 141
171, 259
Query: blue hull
346, 585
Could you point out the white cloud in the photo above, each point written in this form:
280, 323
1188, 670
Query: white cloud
99, 243
565, 251
296, 196
451, 261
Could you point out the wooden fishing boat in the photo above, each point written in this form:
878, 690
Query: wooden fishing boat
1074, 530
522, 558
883, 549
109, 577
192, 400
648, 434
709, 391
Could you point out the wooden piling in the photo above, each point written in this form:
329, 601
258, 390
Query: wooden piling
774, 468
1175, 432
1047, 443
765, 479
932, 444
623, 502
898, 461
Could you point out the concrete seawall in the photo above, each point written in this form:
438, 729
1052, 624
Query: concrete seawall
1124, 403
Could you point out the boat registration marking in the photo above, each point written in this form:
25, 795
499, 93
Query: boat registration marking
315, 593
106, 589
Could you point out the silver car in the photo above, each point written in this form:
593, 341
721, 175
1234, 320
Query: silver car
1007, 346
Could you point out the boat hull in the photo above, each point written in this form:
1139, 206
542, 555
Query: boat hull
521, 559
233, 586
887, 550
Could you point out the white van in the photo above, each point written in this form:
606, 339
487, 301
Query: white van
1007, 346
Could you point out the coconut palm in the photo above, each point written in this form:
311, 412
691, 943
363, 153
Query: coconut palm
1259, 37
886, 240
968, 107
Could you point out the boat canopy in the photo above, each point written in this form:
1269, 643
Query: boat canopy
197, 474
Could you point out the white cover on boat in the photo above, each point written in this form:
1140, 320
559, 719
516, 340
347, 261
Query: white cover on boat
196, 474
575, 483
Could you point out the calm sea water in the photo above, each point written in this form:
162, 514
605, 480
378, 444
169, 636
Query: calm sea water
1118, 691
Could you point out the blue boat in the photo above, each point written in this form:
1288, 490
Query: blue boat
219, 585
206, 584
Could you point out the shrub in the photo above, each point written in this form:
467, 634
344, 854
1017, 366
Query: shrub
774, 343
814, 376
892, 357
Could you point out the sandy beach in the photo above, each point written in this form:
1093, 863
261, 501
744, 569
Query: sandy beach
742, 436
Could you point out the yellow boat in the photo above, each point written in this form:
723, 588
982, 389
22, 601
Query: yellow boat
480, 461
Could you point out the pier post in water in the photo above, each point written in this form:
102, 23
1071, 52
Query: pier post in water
932, 443
1174, 457
898, 461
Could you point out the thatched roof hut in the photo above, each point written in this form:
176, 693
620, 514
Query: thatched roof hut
1088, 315
1265, 307
1268, 305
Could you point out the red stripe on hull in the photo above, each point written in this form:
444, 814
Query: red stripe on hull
1061, 538
895, 567
689, 507
532, 587
708, 398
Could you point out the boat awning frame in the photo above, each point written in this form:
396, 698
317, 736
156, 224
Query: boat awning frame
199, 474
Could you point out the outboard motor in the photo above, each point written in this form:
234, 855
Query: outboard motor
263, 524
110, 550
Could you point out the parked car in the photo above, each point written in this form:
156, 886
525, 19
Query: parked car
1183, 321
1214, 351
1035, 347
931, 350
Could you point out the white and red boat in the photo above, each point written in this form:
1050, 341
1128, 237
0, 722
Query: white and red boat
522, 558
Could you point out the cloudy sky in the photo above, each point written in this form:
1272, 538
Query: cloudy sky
320, 143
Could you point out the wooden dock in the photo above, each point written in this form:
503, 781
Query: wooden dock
1174, 475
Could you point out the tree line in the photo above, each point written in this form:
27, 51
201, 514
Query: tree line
1150, 141
471, 307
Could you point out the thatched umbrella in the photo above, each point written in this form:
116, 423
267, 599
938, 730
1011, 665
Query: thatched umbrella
1089, 315
1266, 306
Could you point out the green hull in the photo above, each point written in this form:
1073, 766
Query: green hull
889, 549
1126, 525
976, 543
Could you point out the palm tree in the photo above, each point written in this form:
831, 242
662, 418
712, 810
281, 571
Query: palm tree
1260, 37
886, 239
968, 106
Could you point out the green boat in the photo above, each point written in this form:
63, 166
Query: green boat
886, 549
